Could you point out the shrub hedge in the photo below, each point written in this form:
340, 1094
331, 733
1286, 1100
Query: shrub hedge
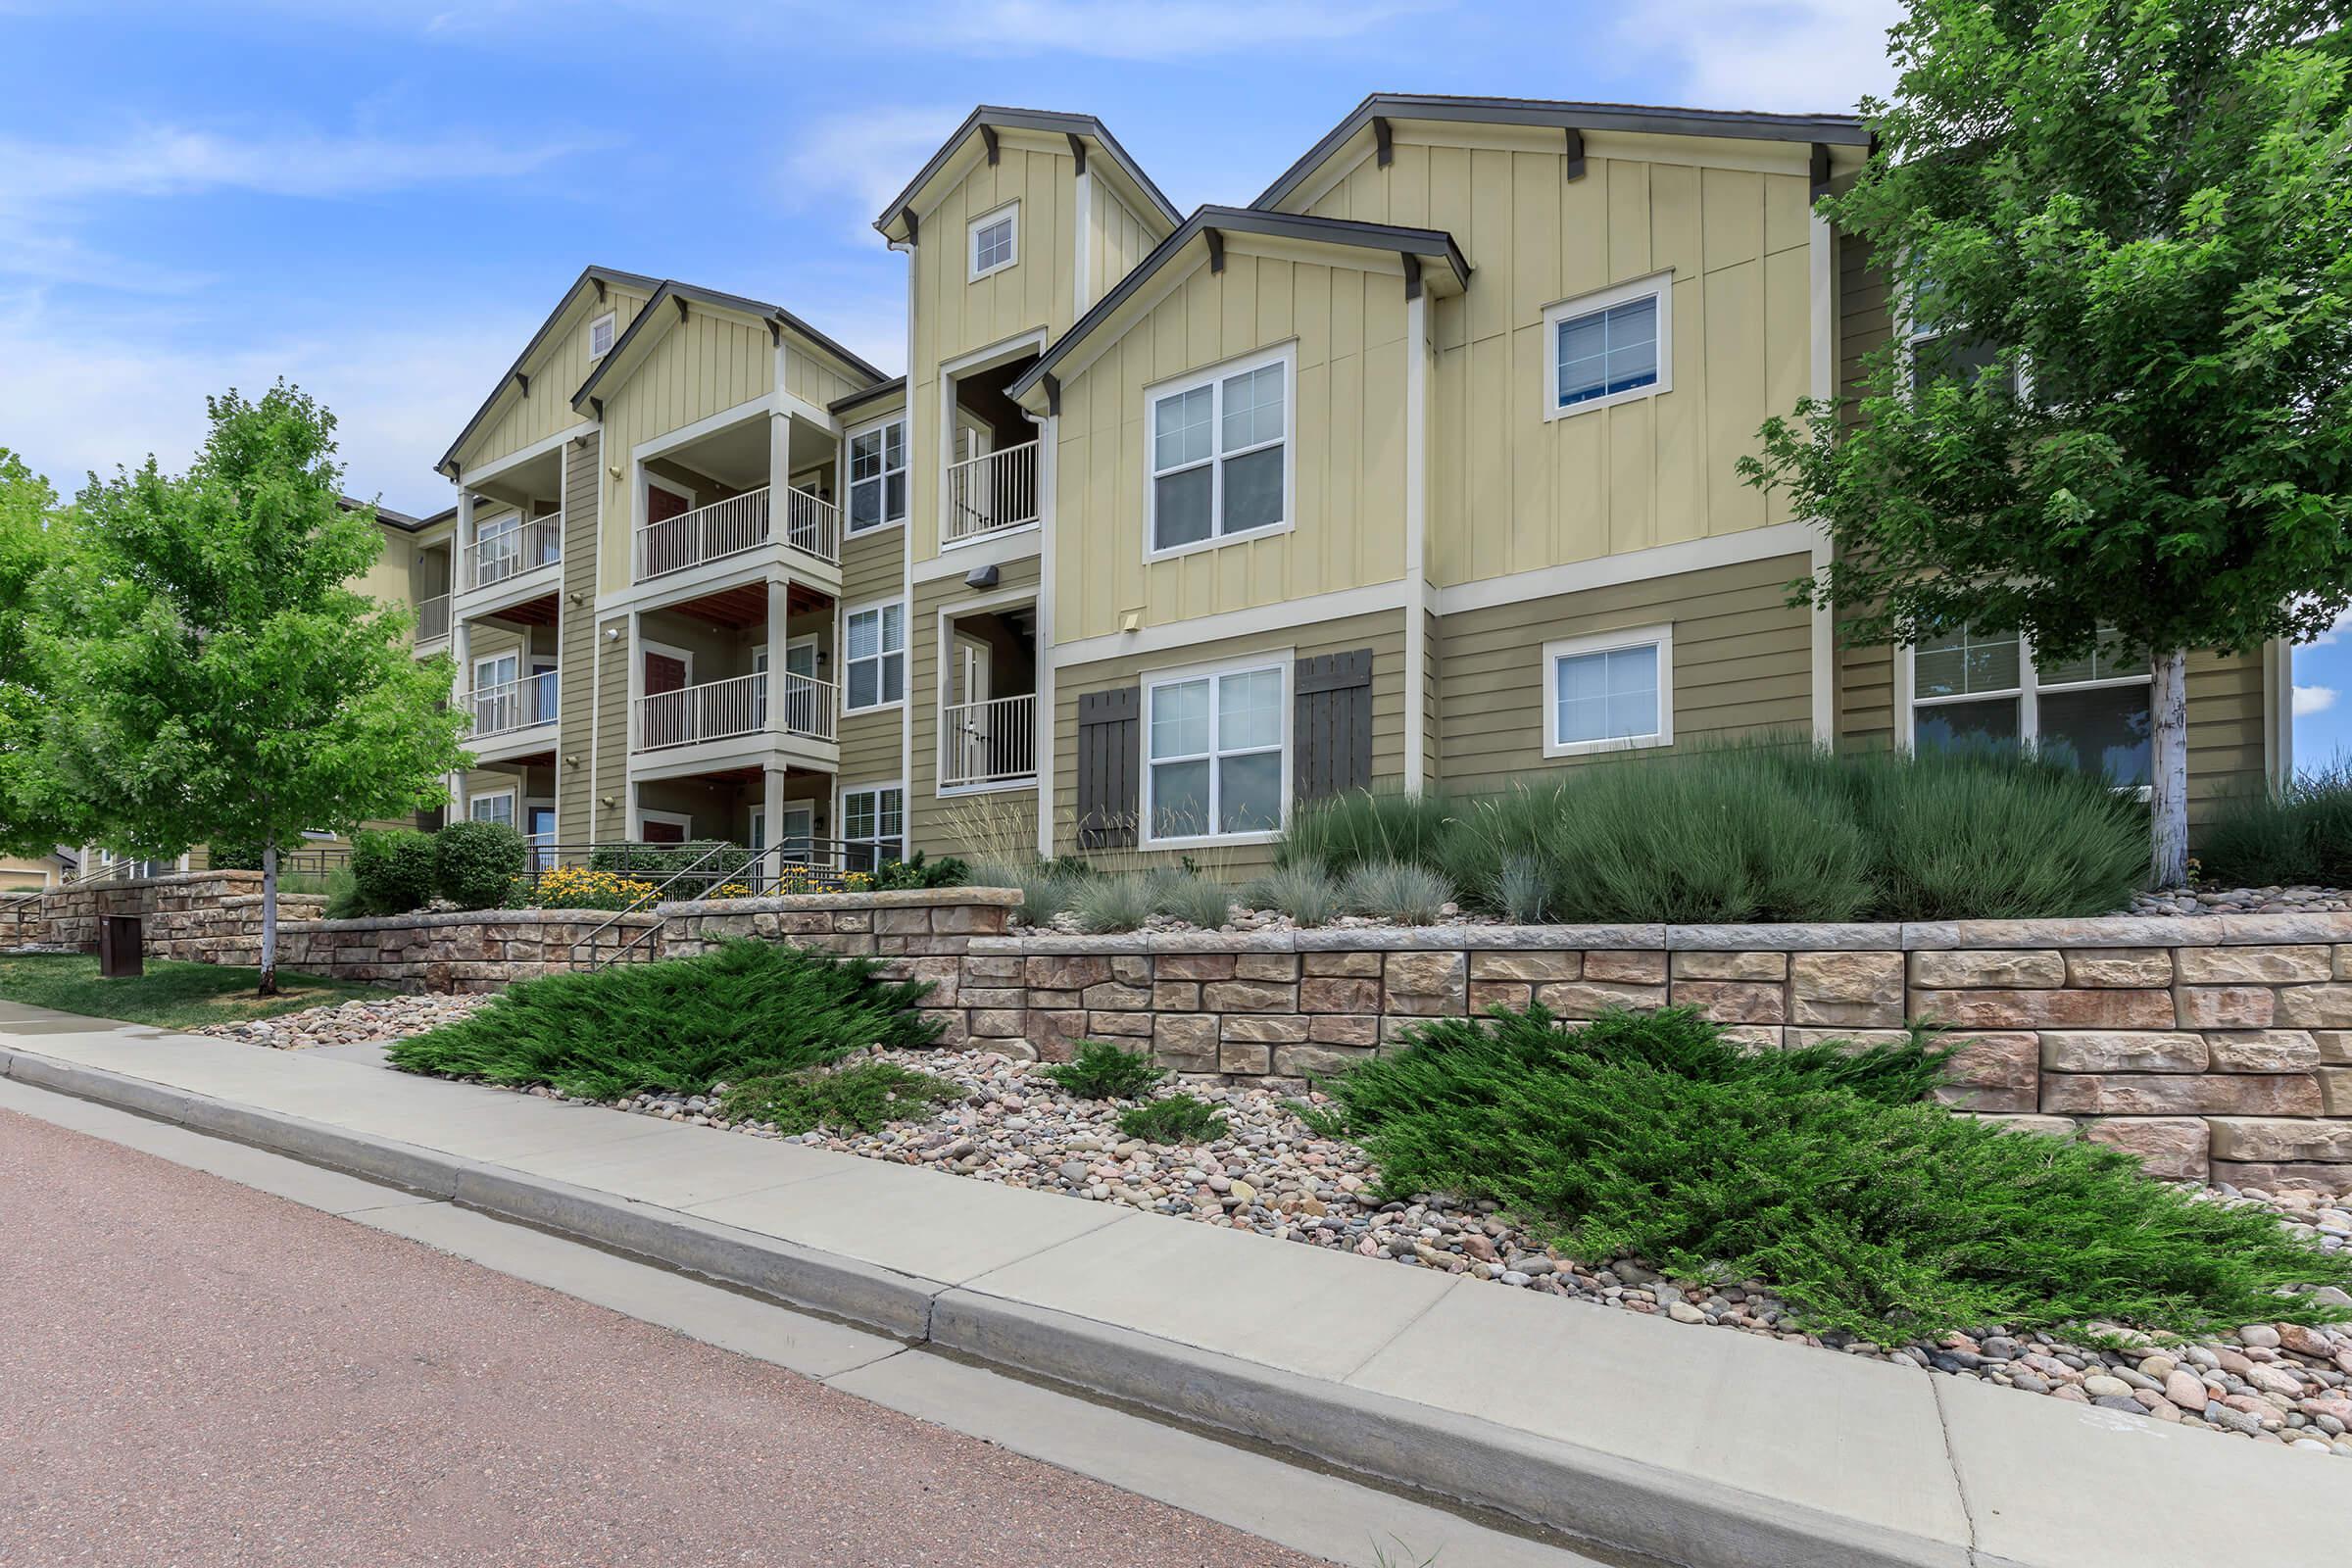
392, 870
473, 862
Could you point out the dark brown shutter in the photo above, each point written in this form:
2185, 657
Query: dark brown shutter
1331, 732
1110, 762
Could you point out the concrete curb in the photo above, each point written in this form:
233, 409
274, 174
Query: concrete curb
1609, 1501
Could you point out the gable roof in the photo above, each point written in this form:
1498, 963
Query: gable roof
398, 519
1052, 123
590, 275
1633, 118
777, 318
1424, 248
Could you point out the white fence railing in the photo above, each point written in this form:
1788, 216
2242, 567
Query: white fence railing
720, 709
988, 743
994, 491
510, 551
432, 618
516, 704
731, 526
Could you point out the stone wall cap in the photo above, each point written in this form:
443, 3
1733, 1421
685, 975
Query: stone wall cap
465, 917
904, 899
1790, 937
2097, 931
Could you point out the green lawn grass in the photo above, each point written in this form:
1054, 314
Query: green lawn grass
168, 996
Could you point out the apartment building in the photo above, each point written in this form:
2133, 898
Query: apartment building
1415, 470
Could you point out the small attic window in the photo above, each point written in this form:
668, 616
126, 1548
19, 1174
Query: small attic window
995, 240
600, 336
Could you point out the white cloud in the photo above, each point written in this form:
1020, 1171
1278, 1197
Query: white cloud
1796, 56
2334, 632
867, 155
1141, 29
2309, 699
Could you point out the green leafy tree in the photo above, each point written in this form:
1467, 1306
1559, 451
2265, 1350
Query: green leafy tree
223, 677
34, 532
2130, 225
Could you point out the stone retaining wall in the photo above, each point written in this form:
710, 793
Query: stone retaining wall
2213, 1048
206, 916
472, 950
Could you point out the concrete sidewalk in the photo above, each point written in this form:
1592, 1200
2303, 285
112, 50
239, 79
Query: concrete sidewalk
1698, 1447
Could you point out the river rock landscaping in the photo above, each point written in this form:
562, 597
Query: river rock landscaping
372, 1020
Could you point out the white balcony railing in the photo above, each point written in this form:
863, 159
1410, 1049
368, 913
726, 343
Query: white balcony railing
718, 710
432, 618
510, 551
988, 743
994, 491
515, 703
734, 526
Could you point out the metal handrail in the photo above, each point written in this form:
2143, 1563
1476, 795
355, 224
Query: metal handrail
518, 704
593, 941
510, 551
747, 867
992, 491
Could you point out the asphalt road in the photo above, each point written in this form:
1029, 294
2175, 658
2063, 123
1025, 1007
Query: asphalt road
192, 1372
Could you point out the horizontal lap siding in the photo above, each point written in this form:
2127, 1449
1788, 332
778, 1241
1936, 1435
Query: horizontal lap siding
1383, 633
578, 719
2225, 754
1742, 663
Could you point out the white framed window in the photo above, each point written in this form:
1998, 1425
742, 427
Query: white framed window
875, 669
495, 806
878, 475
873, 826
1217, 749
600, 335
1970, 688
996, 240
1938, 349
1219, 454
1610, 347
1610, 691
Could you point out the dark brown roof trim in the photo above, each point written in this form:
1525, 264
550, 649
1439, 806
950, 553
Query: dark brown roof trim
1748, 125
1420, 244
990, 119
867, 394
599, 277
681, 295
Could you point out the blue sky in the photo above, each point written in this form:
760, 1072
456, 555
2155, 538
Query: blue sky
382, 202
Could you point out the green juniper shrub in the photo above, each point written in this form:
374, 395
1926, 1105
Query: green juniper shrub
1177, 1119
1121, 901
1825, 1171
1301, 890
1187, 896
750, 1009
1101, 1071
1396, 890
393, 869
860, 1097
1322, 1121
1339, 831
915, 873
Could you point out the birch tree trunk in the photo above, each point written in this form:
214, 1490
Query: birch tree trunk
268, 987
2168, 794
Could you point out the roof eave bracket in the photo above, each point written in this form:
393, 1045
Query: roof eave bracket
1078, 150
598, 404
1576, 153
1216, 249
679, 300
987, 139
1383, 143
1052, 385
908, 213
1819, 168
775, 332
1412, 275
599, 291
524, 381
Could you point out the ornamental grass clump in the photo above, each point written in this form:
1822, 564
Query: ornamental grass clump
1396, 890
1301, 890
1119, 902
750, 1009
1341, 831
1197, 901
2298, 833
1827, 1172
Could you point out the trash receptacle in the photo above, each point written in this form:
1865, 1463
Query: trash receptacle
120, 946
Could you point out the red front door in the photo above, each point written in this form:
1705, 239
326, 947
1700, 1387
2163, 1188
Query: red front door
663, 833
664, 720
663, 505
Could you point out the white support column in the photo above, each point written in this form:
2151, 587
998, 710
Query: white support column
779, 480
1416, 546
461, 646
1048, 464
461, 541
771, 800
779, 612
1821, 386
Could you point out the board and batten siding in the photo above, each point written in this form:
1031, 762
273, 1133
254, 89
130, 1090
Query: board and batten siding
1742, 665
705, 365
1514, 491
563, 365
954, 315
1347, 433
928, 814
1117, 239
813, 379
1383, 632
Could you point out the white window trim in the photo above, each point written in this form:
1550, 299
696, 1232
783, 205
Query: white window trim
971, 240
1657, 285
1281, 663
906, 659
2028, 693
481, 659
841, 813
1659, 637
905, 453
1914, 334
510, 795
681, 820
647, 645
1213, 376
610, 319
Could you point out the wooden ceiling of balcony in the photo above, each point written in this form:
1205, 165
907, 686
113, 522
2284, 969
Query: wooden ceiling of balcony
539, 612
746, 606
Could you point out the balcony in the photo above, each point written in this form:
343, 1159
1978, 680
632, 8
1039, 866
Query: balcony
724, 709
988, 743
509, 552
515, 705
737, 525
991, 492
432, 620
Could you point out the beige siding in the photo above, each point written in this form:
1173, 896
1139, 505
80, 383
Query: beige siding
2225, 752
1383, 633
702, 365
557, 373
1742, 660
1347, 446
1866, 697
928, 814
1517, 492
814, 380
954, 315
1116, 240
591, 726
